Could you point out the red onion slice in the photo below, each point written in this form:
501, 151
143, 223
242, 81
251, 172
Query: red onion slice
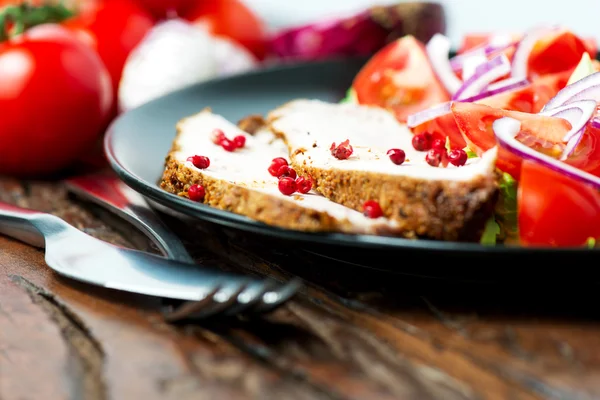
595, 123
571, 146
520, 59
497, 43
506, 130
470, 65
499, 87
438, 49
428, 114
585, 88
577, 113
485, 74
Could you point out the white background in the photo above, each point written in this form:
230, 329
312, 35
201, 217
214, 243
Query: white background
462, 16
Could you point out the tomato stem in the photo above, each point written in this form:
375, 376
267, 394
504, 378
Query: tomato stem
16, 19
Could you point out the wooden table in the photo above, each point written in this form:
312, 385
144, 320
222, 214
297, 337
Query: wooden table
351, 334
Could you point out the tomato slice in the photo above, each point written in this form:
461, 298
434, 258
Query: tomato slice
555, 210
399, 78
524, 99
473, 40
557, 52
442, 127
540, 132
475, 124
587, 154
528, 99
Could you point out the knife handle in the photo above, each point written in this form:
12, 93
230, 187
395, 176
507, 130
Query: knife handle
20, 223
109, 192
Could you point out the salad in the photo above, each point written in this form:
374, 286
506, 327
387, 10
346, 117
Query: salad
535, 95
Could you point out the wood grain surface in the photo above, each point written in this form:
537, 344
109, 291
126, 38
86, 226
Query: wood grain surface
350, 334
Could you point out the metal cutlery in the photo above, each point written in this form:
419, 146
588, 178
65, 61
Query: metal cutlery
110, 193
74, 254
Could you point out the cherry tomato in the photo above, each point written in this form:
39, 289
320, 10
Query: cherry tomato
399, 78
113, 28
233, 19
555, 210
55, 99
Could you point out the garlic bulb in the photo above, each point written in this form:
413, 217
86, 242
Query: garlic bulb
173, 55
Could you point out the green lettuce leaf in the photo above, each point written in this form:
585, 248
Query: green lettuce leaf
503, 225
470, 153
490, 232
350, 97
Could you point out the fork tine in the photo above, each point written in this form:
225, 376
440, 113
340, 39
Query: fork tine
275, 298
252, 296
218, 306
191, 307
257, 299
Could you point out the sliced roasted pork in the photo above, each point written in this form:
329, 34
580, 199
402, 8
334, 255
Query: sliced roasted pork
451, 203
239, 181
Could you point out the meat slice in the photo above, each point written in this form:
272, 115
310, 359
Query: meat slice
450, 203
239, 181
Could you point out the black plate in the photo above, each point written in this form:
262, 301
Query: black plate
138, 141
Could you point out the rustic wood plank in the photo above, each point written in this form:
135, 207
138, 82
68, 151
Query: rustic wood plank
352, 333
26, 331
517, 353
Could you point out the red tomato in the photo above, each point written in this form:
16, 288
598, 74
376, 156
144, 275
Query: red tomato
473, 40
113, 28
524, 99
55, 99
475, 123
166, 8
587, 153
528, 99
558, 52
442, 127
233, 19
399, 78
555, 210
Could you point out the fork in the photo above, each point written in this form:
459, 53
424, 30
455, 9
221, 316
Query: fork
77, 255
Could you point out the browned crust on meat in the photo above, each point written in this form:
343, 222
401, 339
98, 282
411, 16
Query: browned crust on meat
441, 210
262, 207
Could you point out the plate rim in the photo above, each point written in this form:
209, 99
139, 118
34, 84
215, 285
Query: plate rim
207, 213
